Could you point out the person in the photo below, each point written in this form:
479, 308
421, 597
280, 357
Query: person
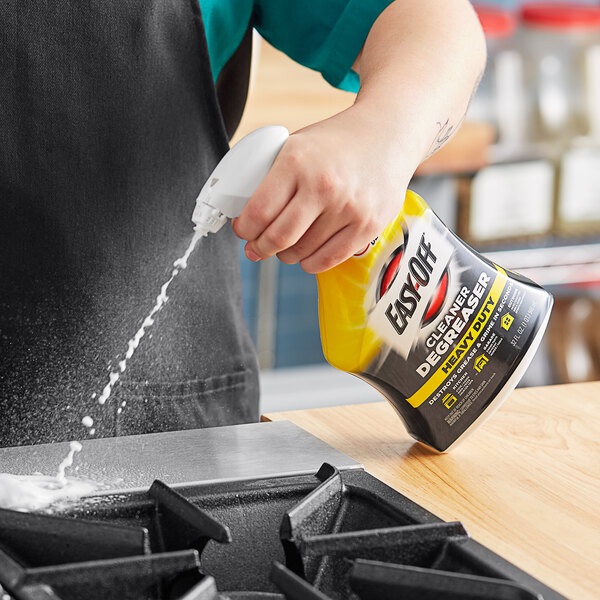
113, 116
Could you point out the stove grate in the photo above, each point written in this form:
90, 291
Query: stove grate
55, 557
371, 580
330, 536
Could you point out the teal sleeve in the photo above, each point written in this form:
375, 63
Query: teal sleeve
324, 35
225, 22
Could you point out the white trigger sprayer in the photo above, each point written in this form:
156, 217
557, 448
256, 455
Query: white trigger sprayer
236, 178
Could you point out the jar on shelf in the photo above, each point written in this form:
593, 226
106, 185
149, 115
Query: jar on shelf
499, 98
556, 41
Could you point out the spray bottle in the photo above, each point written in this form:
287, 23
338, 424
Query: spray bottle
444, 334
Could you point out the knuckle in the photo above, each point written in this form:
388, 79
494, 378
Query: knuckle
372, 226
327, 182
275, 238
288, 257
320, 262
294, 158
316, 265
307, 266
354, 213
300, 248
256, 213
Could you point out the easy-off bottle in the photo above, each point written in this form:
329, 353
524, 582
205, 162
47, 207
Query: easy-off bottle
444, 334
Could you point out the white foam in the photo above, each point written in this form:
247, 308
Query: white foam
35, 492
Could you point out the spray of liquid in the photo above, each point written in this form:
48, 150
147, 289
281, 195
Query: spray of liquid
179, 265
34, 492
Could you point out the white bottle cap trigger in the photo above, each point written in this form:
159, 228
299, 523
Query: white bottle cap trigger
236, 178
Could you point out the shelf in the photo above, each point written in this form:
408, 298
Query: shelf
564, 265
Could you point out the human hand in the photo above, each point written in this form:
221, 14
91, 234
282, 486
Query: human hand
334, 187
337, 184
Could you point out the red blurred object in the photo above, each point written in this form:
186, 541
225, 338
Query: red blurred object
561, 16
496, 22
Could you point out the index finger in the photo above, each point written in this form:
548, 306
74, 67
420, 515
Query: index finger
267, 202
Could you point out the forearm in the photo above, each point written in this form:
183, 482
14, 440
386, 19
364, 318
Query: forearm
419, 68
336, 184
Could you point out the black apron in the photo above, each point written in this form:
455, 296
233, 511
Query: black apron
110, 124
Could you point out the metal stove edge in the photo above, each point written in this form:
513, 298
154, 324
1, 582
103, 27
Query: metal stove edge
212, 455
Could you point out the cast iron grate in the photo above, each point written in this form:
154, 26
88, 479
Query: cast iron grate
424, 560
330, 536
43, 556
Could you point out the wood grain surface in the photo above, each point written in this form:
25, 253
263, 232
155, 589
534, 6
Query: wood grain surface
526, 484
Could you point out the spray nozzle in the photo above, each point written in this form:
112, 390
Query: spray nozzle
236, 178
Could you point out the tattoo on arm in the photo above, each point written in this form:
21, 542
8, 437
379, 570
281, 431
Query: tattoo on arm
446, 130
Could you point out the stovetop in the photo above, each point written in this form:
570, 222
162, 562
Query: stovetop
322, 533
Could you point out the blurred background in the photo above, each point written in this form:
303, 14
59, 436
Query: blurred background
520, 182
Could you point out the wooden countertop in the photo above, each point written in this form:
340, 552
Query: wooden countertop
526, 484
